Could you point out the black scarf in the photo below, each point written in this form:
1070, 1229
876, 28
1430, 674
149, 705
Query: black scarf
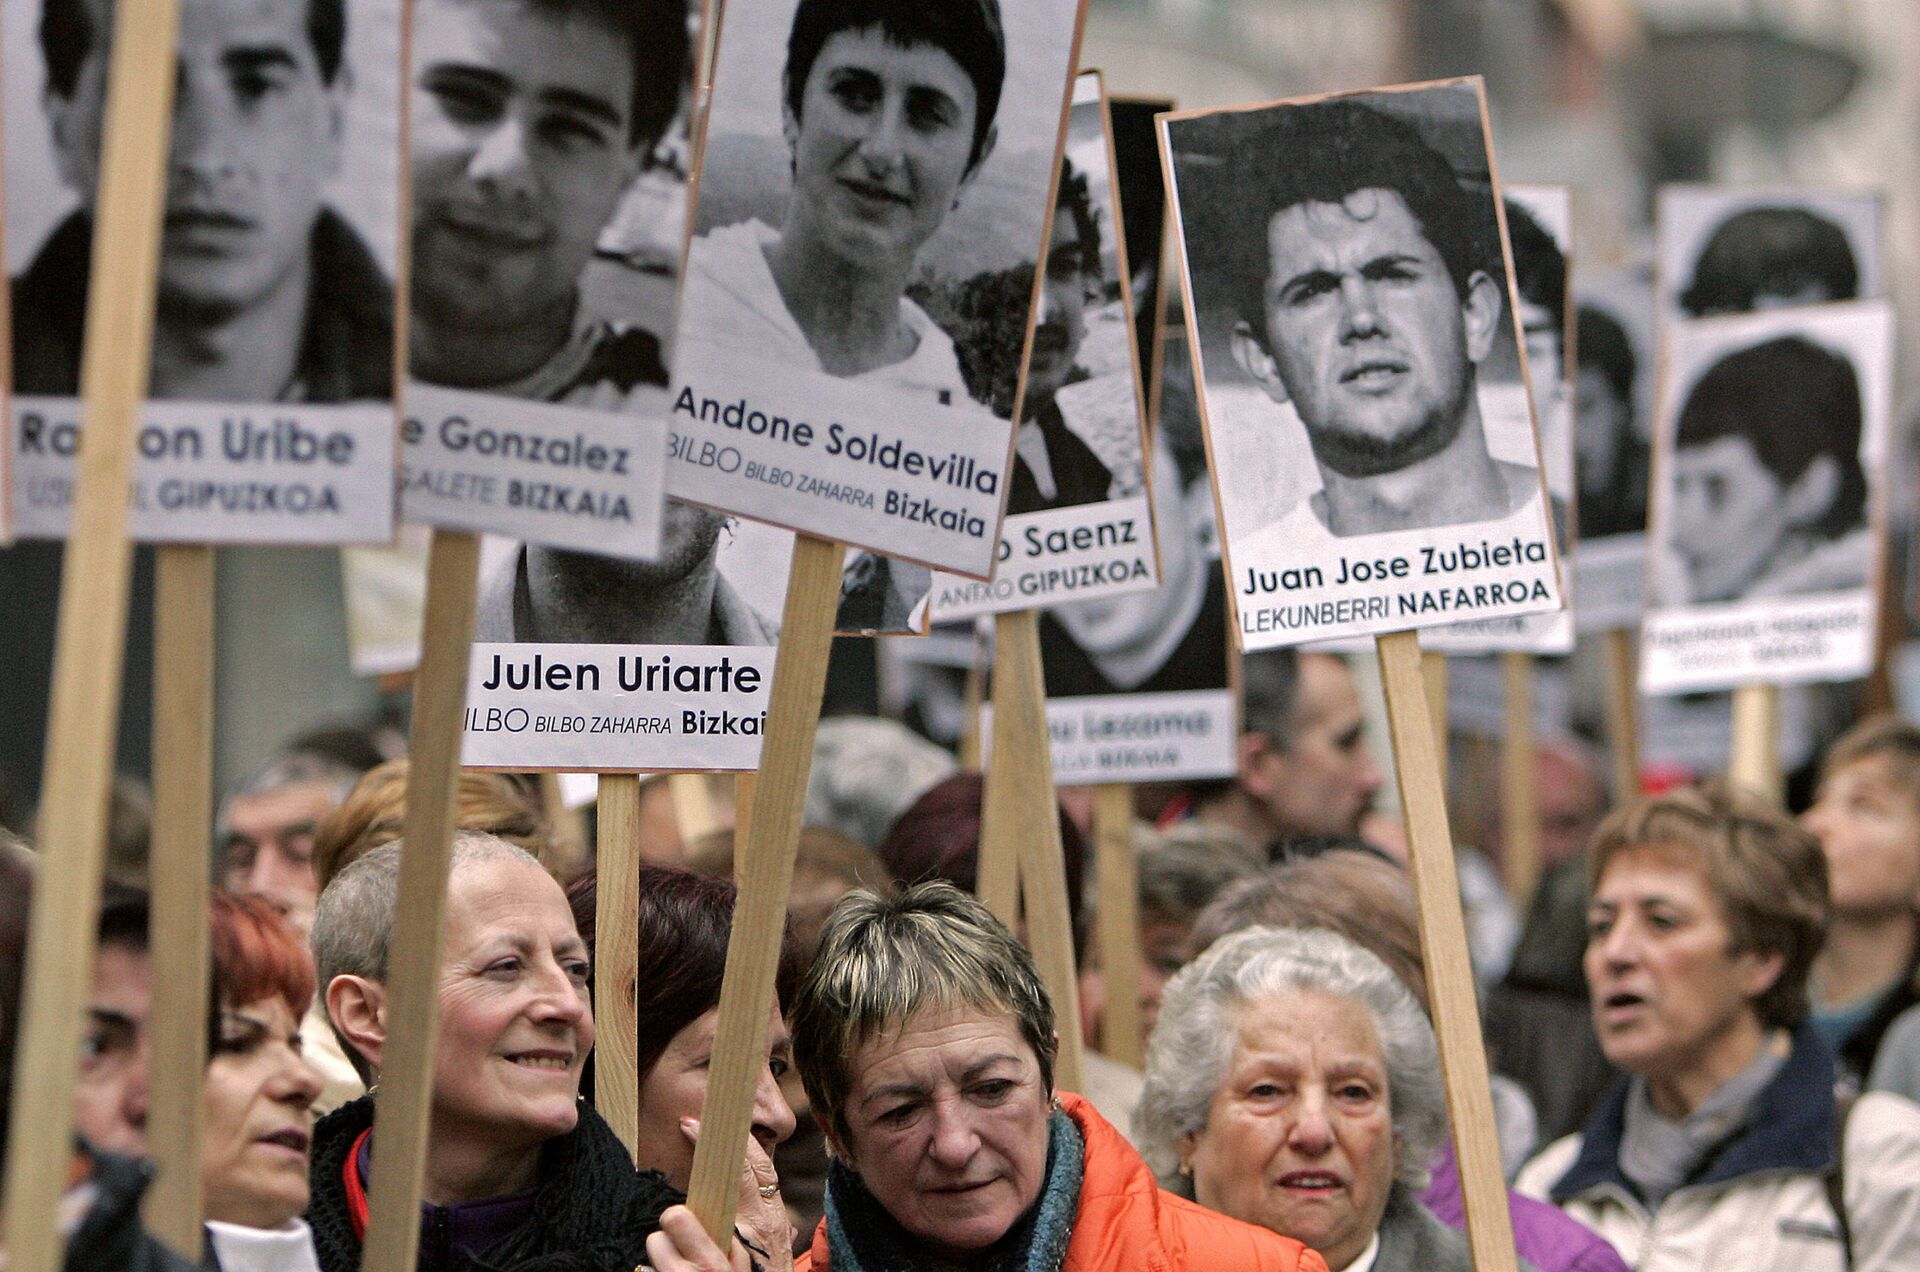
593, 1211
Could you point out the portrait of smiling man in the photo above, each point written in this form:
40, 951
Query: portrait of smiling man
1368, 292
265, 292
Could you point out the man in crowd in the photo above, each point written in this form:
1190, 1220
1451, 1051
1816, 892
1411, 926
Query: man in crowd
265, 293
1367, 300
1304, 766
1052, 466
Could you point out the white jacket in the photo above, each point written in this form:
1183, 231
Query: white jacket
1762, 1205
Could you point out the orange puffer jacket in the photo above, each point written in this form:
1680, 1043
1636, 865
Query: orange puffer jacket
1127, 1223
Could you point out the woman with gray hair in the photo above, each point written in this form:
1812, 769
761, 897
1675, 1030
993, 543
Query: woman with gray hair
926, 1042
1294, 1082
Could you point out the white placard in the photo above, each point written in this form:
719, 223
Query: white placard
1373, 447
550, 473
1049, 557
211, 472
617, 708
1734, 249
1144, 737
1769, 499
1611, 578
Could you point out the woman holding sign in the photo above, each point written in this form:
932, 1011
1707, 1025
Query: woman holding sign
926, 1042
1726, 1140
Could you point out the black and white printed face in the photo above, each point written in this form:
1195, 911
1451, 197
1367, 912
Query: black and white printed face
1368, 336
882, 146
256, 138
1063, 312
521, 152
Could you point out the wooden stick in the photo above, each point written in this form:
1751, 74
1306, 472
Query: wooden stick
773, 834
1020, 852
1443, 938
404, 1105
1433, 667
1755, 763
616, 1063
84, 712
1519, 783
1119, 916
182, 862
743, 784
1623, 714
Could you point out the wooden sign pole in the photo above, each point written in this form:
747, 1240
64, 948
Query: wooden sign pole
182, 862
1118, 871
84, 714
1020, 852
1443, 938
1433, 670
1755, 763
1623, 714
767, 851
405, 1100
616, 1066
1519, 783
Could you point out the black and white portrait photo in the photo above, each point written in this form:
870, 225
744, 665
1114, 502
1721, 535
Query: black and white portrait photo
1350, 309
1613, 443
1539, 238
871, 209
1728, 250
276, 259
1079, 521
1766, 523
539, 379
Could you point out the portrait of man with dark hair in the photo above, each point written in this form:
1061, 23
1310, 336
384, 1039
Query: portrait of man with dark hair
1771, 257
266, 292
1769, 497
1367, 294
1612, 457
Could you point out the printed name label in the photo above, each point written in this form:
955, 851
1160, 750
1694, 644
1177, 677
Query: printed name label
1065, 554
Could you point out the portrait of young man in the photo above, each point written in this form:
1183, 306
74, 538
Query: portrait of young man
266, 292
530, 122
1739, 250
1371, 297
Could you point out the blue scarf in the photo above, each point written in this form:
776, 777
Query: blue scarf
863, 1237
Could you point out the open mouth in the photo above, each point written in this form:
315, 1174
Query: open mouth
296, 1141
1312, 1181
549, 1061
1621, 1003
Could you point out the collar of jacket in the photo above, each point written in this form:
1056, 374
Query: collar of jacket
1792, 1129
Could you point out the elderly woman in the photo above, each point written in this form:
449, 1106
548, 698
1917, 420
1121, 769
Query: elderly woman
888, 113
926, 1043
520, 1174
1725, 1147
1294, 1082
257, 1099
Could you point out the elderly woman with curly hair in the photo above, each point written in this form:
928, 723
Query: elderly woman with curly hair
1294, 1082
1726, 1145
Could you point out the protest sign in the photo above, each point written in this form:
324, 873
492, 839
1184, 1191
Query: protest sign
270, 416
1613, 444
1731, 250
1349, 297
1079, 517
850, 345
1768, 498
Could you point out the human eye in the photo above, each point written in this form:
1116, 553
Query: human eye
579, 970
898, 1115
566, 131
465, 100
240, 1036
928, 111
253, 81
1599, 923
1355, 1091
856, 91
510, 965
1307, 289
993, 1090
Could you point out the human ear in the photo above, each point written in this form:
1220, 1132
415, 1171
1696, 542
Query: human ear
1257, 361
358, 1009
1763, 969
789, 121
1480, 312
1810, 497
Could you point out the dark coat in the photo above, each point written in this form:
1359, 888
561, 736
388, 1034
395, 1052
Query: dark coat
346, 350
1078, 475
110, 1238
592, 1212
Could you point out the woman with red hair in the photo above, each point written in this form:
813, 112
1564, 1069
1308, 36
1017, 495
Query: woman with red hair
257, 1098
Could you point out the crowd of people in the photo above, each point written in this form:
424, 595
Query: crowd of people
1704, 1030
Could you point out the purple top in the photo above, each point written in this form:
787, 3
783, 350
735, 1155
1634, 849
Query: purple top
1543, 1234
452, 1236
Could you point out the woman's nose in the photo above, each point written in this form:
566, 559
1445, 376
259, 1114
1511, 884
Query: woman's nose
773, 1119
